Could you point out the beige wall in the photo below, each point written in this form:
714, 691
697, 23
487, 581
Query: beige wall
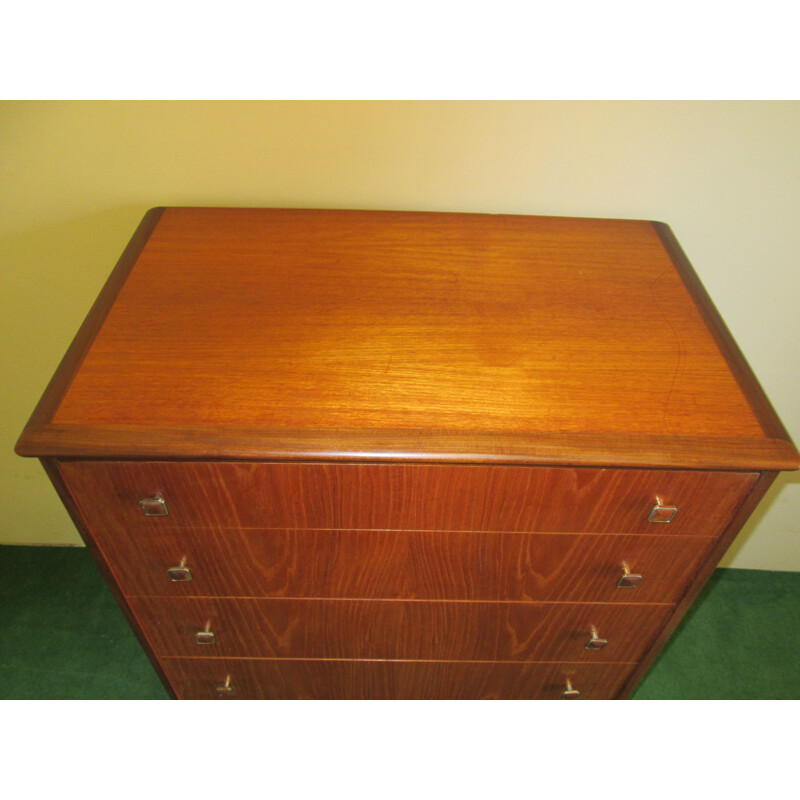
75, 179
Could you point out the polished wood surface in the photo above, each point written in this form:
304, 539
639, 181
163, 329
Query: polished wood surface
436, 332
398, 629
405, 455
259, 444
433, 565
403, 497
197, 679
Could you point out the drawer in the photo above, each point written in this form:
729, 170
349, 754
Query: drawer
404, 497
200, 679
431, 565
397, 629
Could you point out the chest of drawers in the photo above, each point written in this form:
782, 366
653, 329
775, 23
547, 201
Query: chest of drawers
341, 454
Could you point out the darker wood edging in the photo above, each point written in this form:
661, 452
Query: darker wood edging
754, 393
73, 358
409, 446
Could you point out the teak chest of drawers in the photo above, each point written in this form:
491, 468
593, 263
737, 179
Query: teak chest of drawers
349, 454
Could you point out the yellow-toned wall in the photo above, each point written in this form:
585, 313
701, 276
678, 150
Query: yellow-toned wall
76, 177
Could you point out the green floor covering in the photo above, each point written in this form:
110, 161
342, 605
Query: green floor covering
64, 637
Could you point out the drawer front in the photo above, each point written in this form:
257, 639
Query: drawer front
399, 629
424, 565
405, 497
203, 679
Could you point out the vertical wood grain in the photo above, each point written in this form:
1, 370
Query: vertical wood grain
406, 497
398, 629
432, 565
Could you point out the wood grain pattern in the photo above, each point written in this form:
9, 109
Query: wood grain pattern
368, 320
404, 454
402, 497
444, 325
431, 565
196, 679
398, 629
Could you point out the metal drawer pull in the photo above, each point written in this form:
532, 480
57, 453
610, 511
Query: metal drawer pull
570, 693
596, 643
662, 513
225, 688
181, 573
154, 506
629, 580
205, 636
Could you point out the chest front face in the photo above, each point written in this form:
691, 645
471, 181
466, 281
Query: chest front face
383, 580
367, 455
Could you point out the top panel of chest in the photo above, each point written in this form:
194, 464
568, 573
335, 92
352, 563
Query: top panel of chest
269, 333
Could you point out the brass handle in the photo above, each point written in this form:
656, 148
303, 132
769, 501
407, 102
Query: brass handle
662, 513
205, 636
570, 693
596, 642
181, 573
155, 506
225, 688
629, 580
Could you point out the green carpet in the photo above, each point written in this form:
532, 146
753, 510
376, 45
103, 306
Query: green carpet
64, 637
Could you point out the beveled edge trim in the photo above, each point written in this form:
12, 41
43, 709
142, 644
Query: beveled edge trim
748, 383
73, 358
421, 446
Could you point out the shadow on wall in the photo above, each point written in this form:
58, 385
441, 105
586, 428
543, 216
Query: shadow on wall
771, 497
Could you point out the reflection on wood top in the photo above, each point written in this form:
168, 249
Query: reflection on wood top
411, 329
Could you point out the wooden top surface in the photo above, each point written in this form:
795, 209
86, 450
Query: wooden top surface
263, 333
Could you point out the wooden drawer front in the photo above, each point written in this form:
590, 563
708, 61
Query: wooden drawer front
399, 629
198, 679
428, 565
405, 497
